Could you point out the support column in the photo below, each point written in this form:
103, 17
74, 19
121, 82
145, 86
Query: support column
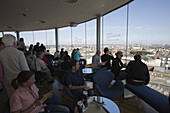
56, 38
17, 33
98, 32
2, 33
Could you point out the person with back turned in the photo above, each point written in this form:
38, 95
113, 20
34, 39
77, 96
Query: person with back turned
137, 72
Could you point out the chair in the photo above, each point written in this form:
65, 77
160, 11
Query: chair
62, 78
102, 80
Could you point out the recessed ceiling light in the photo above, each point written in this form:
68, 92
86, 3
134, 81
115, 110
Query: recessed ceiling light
70, 1
40, 21
26, 9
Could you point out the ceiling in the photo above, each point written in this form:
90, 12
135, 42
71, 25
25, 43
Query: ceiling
29, 15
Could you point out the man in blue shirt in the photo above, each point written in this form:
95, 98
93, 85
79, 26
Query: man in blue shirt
75, 79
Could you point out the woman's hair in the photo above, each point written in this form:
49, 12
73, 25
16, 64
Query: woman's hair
27, 53
119, 53
22, 77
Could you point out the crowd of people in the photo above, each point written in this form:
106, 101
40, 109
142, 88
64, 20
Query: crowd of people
18, 80
19, 68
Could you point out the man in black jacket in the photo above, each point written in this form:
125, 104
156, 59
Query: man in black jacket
117, 65
137, 71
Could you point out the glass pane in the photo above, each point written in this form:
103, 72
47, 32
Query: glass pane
91, 39
78, 39
40, 36
114, 30
64, 39
28, 37
50, 42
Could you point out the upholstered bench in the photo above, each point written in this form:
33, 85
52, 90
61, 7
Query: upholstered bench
155, 99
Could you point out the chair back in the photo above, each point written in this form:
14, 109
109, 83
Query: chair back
103, 78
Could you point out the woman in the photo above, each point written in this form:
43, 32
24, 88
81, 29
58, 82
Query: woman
26, 99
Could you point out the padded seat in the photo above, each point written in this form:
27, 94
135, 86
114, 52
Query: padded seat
102, 80
155, 99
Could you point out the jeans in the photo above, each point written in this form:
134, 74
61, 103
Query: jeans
56, 109
54, 106
83, 60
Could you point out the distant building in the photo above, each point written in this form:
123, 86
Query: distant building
136, 47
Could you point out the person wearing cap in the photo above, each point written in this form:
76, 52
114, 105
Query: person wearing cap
137, 72
13, 61
117, 65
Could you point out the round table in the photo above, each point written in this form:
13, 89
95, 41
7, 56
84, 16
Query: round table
98, 104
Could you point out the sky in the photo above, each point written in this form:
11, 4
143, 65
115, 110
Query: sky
149, 23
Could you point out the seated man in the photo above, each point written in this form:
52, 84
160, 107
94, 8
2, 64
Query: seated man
137, 71
75, 79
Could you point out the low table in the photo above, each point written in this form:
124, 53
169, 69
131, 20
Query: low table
97, 104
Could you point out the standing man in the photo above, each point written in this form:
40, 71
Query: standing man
107, 57
137, 71
13, 61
